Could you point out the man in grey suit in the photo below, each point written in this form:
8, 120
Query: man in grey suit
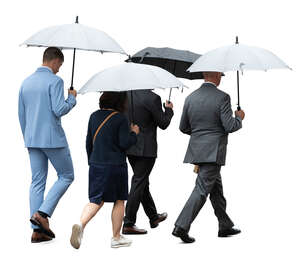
207, 118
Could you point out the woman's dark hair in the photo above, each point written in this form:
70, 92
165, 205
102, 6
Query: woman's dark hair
113, 100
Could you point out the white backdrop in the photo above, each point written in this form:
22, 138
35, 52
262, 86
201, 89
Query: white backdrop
261, 178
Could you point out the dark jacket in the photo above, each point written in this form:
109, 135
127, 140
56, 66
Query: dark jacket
207, 118
112, 141
148, 115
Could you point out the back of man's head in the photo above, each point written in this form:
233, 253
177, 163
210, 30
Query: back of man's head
211, 76
52, 53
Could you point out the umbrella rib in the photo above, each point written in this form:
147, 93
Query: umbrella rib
225, 58
254, 54
50, 38
154, 75
87, 40
53, 35
82, 33
159, 81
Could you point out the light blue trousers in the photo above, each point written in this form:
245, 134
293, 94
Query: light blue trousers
61, 160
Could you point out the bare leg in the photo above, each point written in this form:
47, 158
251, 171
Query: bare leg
117, 215
89, 211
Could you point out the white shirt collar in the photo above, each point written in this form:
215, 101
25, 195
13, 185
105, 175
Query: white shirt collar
208, 82
47, 68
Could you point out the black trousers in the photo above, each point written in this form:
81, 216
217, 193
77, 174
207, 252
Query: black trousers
139, 191
208, 182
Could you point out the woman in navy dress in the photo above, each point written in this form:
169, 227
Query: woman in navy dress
108, 176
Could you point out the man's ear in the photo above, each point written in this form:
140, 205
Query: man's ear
56, 61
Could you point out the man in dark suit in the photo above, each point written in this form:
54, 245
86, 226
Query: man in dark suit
148, 114
207, 118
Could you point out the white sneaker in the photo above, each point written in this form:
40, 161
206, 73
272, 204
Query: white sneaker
115, 243
77, 233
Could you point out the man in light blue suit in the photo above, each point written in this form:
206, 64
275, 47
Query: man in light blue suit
41, 105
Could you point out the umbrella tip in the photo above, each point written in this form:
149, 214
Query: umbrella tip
236, 40
76, 21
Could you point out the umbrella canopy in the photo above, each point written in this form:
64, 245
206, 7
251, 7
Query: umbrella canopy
130, 76
237, 57
173, 60
74, 36
70, 36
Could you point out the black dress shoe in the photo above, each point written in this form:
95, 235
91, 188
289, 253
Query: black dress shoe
183, 235
160, 218
133, 230
228, 232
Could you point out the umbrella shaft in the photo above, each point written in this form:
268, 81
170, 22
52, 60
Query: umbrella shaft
238, 88
170, 94
132, 112
71, 88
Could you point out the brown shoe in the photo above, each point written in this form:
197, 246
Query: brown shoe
39, 237
160, 218
133, 231
42, 223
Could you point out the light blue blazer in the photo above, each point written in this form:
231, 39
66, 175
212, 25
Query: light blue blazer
41, 105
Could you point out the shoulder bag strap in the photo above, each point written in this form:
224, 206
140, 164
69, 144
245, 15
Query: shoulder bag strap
101, 125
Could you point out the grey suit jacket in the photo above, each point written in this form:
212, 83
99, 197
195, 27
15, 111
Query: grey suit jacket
148, 115
207, 118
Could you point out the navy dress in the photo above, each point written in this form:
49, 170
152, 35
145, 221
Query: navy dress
108, 174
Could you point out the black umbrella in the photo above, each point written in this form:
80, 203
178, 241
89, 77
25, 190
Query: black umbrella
174, 61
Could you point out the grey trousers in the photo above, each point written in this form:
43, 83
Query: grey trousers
208, 182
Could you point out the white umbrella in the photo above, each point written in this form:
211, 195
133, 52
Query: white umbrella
130, 76
74, 36
237, 57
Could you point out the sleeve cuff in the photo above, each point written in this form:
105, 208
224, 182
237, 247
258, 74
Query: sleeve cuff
239, 118
169, 110
133, 133
72, 99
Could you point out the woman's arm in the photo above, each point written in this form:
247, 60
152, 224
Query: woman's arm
127, 138
89, 139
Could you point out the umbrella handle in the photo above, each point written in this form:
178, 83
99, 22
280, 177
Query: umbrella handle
239, 108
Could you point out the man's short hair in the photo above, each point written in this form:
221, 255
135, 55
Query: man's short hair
53, 53
208, 74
